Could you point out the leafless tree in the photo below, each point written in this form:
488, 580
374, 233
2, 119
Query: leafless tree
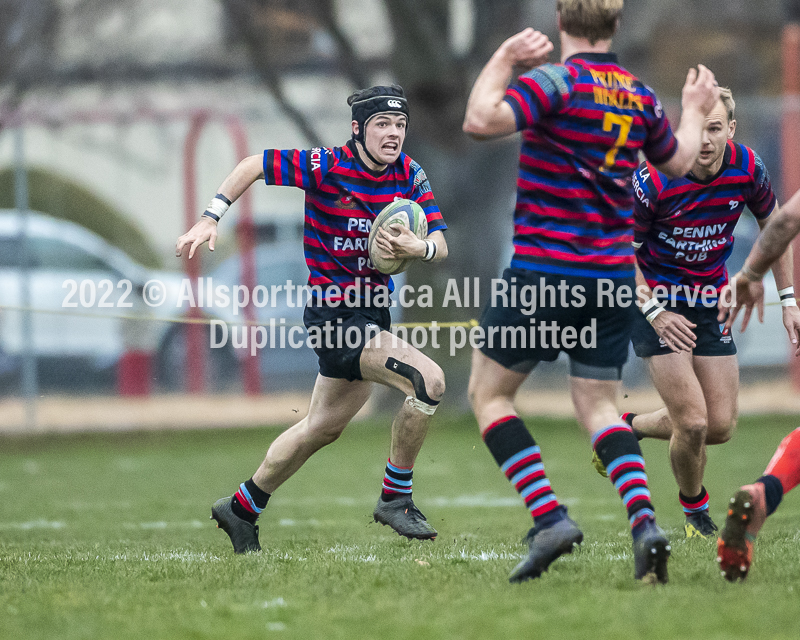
27, 31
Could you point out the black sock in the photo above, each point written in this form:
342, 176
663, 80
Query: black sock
396, 482
773, 492
628, 419
696, 504
249, 501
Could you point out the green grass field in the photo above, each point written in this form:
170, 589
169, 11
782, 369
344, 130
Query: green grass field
108, 536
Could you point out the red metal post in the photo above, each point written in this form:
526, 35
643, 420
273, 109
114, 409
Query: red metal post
790, 145
251, 376
195, 349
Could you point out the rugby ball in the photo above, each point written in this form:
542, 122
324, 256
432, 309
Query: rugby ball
407, 213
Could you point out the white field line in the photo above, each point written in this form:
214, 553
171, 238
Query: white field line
462, 501
33, 524
160, 524
339, 553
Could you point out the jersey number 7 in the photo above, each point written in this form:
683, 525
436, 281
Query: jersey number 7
624, 123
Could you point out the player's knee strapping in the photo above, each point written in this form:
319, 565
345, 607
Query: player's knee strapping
420, 400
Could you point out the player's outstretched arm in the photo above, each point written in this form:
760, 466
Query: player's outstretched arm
746, 286
488, 115
780, 230
783, 270
205, 230
744, 292
406, 244
700, 95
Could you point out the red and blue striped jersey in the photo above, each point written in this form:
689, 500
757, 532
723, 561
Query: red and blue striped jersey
583, 124
684, 227
343, 197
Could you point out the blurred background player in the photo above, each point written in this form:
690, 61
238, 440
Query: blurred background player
345, 187
584, 122
751, 506
683, 235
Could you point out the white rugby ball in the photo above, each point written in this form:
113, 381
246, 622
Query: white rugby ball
407, 213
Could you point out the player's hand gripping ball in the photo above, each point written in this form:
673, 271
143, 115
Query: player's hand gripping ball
407, 213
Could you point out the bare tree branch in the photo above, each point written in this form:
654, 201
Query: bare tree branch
251, 19
352, 67
27, 33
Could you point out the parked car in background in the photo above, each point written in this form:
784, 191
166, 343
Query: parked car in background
79, 287
280, 369
90, 306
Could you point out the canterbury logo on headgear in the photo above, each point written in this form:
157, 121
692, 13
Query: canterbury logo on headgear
368, 103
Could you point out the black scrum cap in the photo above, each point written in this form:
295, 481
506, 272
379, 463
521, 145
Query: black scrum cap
367, 103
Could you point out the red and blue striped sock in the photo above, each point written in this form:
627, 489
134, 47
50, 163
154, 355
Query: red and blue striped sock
619, 450
249, 501
627, 418
396, 481
694, 505
518, 456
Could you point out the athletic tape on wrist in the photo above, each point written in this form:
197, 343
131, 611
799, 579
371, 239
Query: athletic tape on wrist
654, 314
217, 207
787, 297
422, 407
648, 306
430, 251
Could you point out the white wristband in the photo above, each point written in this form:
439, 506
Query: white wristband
217, 207
648, 306
787, 297
654, 314
430, 251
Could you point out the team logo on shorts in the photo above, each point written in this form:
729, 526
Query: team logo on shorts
725, 334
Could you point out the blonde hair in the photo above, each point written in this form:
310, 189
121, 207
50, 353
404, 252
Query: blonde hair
591, 19
728, 102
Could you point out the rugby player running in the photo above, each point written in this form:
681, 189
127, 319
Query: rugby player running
345, 188
683, 235
584, 122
